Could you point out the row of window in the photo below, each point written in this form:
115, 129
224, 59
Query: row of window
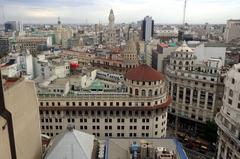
118, 134
94, 113
148, 93
97, 103
97, 120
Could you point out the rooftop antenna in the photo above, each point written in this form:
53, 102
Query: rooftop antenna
184, 12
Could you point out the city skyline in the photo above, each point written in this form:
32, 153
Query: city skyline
83, 11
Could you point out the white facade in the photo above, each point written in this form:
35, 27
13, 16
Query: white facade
204, 52
195, 88
26, 65
228, 119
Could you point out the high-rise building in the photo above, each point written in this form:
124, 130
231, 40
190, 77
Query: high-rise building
147, 28
228, 119
196, 89
20, 133
232, 30
13, 26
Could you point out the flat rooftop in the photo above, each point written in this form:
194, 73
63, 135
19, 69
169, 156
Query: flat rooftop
119, 148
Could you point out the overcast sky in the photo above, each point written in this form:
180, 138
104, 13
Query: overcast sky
93, 11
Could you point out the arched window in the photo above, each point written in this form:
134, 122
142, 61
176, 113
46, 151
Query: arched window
150, 92
136, 92
187, 63
233, 80
130, 90
143, 92
231, 93
180, 63
174, 62
156, 92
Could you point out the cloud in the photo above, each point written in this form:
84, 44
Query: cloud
162, 11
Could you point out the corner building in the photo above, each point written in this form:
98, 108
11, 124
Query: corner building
228, 119
196, 89
139, 111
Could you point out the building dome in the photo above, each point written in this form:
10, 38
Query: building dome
184, 48
144, 73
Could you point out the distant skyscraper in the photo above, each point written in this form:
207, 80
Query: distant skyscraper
13, 26
147, 28
232, 30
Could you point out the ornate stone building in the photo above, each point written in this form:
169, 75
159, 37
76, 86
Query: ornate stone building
130, 55
138, 110
196, 89
111, 35
228, 119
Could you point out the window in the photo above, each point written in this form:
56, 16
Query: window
231, 93
230, 101
233, 80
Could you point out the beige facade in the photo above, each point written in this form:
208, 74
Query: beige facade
196, 89
228, 119
32, 43
139, 111
21, 102
232, 30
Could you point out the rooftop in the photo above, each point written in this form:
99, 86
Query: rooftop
144, 73
184, 48
71, 144
120, 147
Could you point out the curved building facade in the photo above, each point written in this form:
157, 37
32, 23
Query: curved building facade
196, 89
140, 110
228, 119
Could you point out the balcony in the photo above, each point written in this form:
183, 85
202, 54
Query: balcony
224, 128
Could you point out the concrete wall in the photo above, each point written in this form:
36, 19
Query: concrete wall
204, 53
4, 142
21, 101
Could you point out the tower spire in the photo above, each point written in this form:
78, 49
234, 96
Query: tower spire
184, 12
